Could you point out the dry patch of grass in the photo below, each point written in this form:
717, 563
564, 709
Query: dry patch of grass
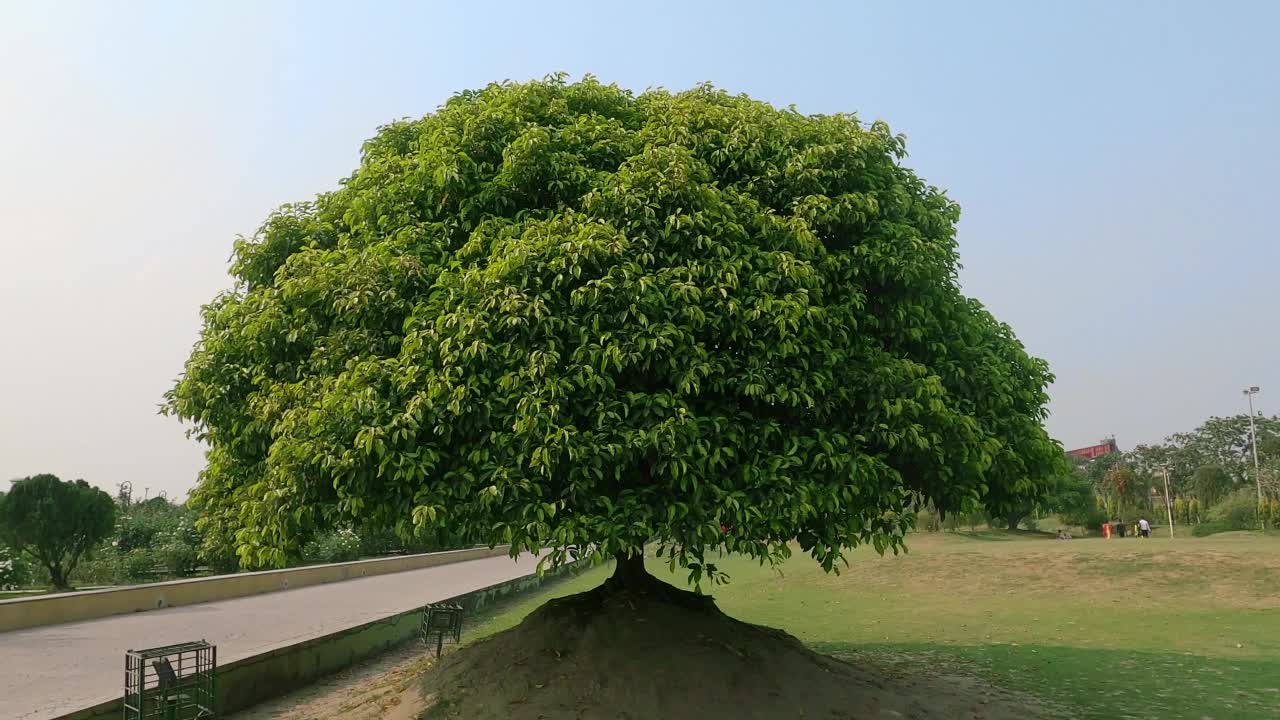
385, 688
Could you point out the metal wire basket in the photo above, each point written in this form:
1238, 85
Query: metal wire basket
174, 682
441, 624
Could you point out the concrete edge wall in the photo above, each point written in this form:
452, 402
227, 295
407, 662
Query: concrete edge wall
89, 604
252, 680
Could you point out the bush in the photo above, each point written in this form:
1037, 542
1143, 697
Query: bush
1193, 511
15, 571
136, 565
1239, 511
139, 530
176, 549
379, 542
221, 559
1206, 529
103, 568
177, 558
1089, 517
340, 546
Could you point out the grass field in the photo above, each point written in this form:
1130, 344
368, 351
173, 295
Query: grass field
1186, 628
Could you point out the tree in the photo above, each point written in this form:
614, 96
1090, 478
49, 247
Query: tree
574, 319
1098, 468
1225, 442
1147, 460
1211, 484
1182, 512
1074, 498
56, 522
1123, 491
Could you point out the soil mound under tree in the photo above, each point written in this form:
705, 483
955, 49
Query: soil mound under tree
636, 648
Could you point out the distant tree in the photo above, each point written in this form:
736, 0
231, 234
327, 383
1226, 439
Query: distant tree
1096, 470
1075, 501
1225, 442
56, 522
1269, 456
1211, 484
1147, 461
1124, 490
1181, 512
1194, 511
1068, 493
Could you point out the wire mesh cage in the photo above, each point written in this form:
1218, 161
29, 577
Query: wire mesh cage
441, 624
174, 682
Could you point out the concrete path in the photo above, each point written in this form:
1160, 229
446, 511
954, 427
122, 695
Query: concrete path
49, 671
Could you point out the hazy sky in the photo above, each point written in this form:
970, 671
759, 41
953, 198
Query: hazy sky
1116, 161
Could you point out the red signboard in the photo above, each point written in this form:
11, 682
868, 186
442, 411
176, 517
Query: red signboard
1094, 451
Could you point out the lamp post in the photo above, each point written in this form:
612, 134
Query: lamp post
1168, 507
1249, 392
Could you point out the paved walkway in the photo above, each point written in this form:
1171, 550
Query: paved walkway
49, 671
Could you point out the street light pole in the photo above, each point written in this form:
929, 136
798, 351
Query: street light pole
1249, 392
1168, 507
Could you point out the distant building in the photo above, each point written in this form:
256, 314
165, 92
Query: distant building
1106, 447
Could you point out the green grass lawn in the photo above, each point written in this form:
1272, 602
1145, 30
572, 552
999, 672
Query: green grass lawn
1185, 628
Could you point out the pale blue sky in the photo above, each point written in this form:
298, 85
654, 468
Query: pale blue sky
1116, 162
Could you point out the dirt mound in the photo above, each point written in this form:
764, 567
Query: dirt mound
657, 653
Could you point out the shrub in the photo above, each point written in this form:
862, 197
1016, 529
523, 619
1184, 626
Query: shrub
379, 541
1205, 529
1239, 511
340, 546
176, 549
177, 558
103, 568
136, 565
1180, 513
15, 572
220, 558
139, 530
1193, 511
1090, 517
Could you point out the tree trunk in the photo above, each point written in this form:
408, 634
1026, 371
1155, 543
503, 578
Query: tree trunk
57, 578
629, 577
1012, 519
629, 571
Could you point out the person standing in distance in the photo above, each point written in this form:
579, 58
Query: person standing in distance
1144, 528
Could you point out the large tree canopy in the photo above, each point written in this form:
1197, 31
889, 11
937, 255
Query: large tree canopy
568, 316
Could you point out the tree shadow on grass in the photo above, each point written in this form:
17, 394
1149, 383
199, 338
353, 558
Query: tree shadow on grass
1090, 684
1002, 535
